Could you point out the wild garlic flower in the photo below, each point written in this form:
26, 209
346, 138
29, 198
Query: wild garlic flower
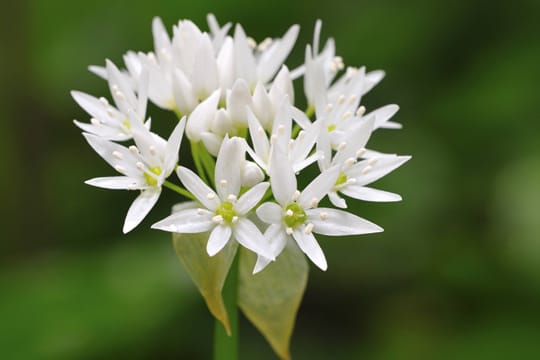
144, 166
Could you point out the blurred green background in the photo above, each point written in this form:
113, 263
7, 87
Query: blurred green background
455, 275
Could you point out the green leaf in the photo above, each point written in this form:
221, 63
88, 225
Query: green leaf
208, 273
271, 298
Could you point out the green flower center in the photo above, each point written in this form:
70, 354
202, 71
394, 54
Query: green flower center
150, 179
226, 211
342, 179
294, 215
331, 128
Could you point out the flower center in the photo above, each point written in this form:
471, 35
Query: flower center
150, 179
342, 179
331, 128
226, 211
294, 215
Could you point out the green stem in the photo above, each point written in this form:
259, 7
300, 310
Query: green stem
178, 189
197, 160
225, 346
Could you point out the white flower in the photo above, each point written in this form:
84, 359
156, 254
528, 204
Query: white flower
354, 174
224, 213
109, 122
296, 215
144, 166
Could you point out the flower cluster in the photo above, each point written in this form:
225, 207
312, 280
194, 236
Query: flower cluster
249, 141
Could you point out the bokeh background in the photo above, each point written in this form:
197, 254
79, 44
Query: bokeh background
455, 275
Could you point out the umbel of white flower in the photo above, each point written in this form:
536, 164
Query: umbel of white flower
249, 141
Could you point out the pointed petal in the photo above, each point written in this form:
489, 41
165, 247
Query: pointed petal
261, 145
237, 100
198, 188
319, 187
141, 207
245, 61
337, 200
187, 221
227, 173
183, 92
248, 235
277, 239
173, 146
201, 118
309, 245
369, 194
115, 155
274, 57
282, 177
249, 199
205, 72
270, 213
116, 183
334, 222
219, 237
383, 166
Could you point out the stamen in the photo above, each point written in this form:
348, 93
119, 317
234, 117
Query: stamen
120, 95
296, 195
200, 211
132, 186
329, 107
361, 111
346, 115
289, 231
251, 42
341, 99
289, 212
281, 130
360, 152
314, 202
342, 146
308, 229
323, 215
350, 161
134, 150
210, 196
351, 181
352, 99
104, 101
235, 219
118, 155
367, 169
218, 219
223, 183
120, 168
265, 44
231, 197
152, 150
373, 161
95, 121
140, 165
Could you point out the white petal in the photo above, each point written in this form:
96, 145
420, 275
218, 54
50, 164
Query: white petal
355, 140
261, 145
319, 187
270, 213
300, 117
383, 166
277, 239
103, 131
339, 222
369, 194
116, 183
262, 107
187, 221
382, 115
249, 199
282, 86
309, 245
198, 188
173, 146
282, 177
183, 92
212, 142
245, 61
201, 118
121, 90
141, 207
272, 59
227, 173
225, 63
303, 144
161, 38
249, 236
337, 200
107, 150
91, 105
237, 100
219, 237
205, 72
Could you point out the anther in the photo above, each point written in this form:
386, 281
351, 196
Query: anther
323, 215
132, 186
342, 146
218, 219
118, 155
329, 107
95, 121
351, 181
367, 169
223, 183
361, 111
314, 202
134, 150
120, 168
152, 149
341, 99
210, 196
281, 130
104, 101
251, 42
289, 231
350, 161
120, 95
200, 211
308, 229
352, 99
231, 197
346, 115
296, 195
373, 161
264, 44
360, 152
235, 219
289, 212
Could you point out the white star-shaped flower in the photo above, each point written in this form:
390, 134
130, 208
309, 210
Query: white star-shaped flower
225, 212
144, 166
295, 215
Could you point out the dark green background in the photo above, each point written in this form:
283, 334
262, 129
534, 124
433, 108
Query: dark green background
455, 275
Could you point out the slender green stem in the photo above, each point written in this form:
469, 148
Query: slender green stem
178, 189
225, 346
197, 161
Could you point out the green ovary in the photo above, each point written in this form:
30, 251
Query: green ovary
151, 180
342, 179
296, 215
331, 128
226, 211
